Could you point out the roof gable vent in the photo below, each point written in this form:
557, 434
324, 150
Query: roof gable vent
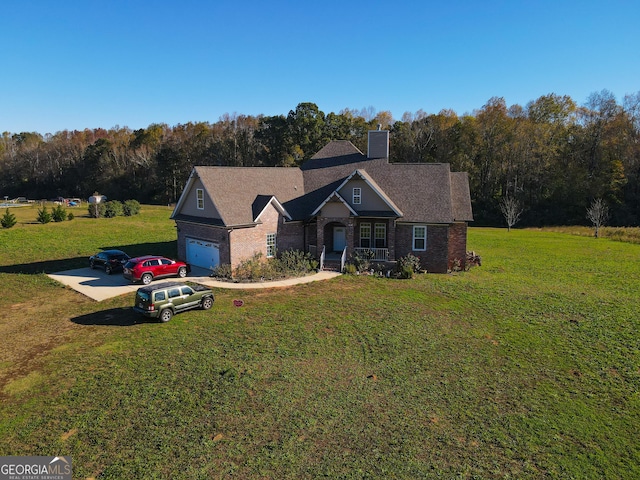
378, 144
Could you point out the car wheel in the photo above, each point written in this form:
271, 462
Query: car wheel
108, 269
166, 315
182, 272
146, 278
207, 303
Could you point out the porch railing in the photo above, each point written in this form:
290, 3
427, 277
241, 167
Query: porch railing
376, 254
322, 259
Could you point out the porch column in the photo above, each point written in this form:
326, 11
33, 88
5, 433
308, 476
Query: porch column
320, 224
391, 239
350, 223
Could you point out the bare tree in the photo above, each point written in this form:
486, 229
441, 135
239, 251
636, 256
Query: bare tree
598, 214
510, 208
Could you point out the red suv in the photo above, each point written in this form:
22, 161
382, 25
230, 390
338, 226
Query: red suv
145, 269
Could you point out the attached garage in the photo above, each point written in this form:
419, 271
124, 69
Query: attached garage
203, 254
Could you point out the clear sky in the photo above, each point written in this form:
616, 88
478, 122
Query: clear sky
71, 64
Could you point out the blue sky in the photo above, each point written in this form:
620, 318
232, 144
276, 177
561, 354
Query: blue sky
89, 64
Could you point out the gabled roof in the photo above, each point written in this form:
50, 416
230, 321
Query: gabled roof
261, 203
234, 190
337, 152
421, 191
415, 192
460, 196
371, 182
336, 195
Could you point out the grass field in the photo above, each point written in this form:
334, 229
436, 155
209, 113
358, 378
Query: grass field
525, 367
622, 234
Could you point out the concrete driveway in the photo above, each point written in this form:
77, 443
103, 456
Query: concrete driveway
97, 285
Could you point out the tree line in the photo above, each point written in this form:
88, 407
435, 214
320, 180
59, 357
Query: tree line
553, 156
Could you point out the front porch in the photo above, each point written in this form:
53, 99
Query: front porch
373, 254
332, 260
338, 239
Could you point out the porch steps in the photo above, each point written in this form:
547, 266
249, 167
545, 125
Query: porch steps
332, 266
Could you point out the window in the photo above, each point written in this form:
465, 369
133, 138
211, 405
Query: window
186, 290
200, 198
419, 237
159, 296
166, 261
365, 235
271, 245
357, 196
174, 292
381, 235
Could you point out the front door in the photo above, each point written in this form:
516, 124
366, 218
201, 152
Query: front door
339, 238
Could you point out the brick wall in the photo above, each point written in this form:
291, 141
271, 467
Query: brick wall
458, 244
311, 234
435, 258
290, 236
445, 243
241, 243
245, 242
203, 232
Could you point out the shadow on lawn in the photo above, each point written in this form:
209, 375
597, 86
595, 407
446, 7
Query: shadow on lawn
167, 249
115, 317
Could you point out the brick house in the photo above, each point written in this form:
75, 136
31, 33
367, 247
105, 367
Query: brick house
340, 202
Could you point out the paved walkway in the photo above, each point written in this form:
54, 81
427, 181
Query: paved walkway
97, 285
271, 284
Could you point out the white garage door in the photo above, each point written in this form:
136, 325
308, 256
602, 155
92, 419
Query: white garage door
202, 254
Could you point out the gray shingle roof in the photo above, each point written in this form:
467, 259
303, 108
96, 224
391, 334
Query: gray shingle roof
235, 190
424, 192
460, 195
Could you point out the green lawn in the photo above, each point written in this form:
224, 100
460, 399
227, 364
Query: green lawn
525, 367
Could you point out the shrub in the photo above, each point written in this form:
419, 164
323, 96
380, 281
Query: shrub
58, 214
456, 265
8, 220
409, 262
44, 216
97, 210
473, 260
362, 260
294, 262
257, 268
250, 268
406, 271
222, 271
70, 216
113, 208
131, 207
350, 269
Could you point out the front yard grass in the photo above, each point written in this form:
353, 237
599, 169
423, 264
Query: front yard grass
525, 367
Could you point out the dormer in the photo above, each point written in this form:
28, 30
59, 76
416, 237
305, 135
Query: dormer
360, 195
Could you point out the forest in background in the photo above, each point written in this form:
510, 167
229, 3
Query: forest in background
553, 156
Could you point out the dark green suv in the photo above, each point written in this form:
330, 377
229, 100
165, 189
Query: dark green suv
164, 300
